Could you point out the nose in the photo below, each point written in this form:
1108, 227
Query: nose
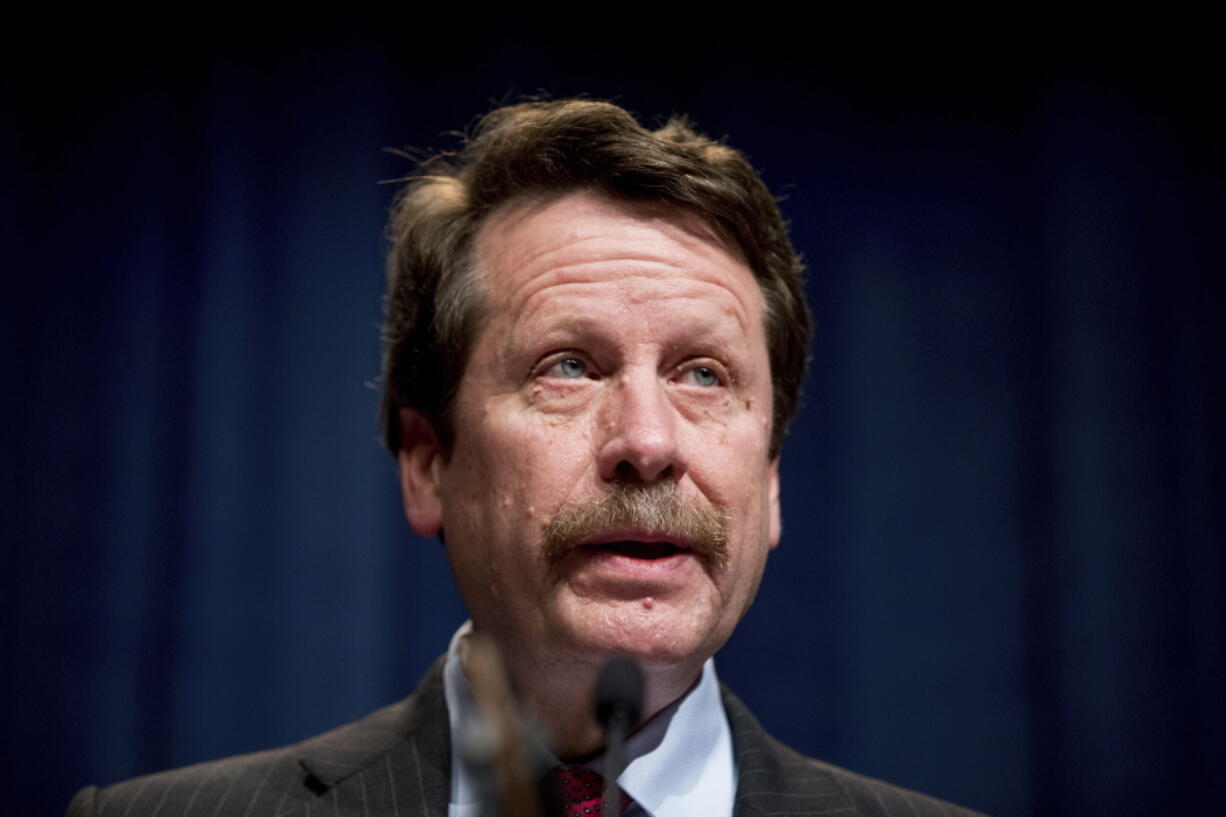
640, 442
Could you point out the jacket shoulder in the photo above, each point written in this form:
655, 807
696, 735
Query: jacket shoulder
272, 782
773, 777
258, 783
877, 797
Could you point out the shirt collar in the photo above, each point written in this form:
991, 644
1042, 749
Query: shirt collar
681, 762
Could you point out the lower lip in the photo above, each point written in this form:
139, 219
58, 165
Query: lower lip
629, 573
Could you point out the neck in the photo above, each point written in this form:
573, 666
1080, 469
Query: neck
559, 694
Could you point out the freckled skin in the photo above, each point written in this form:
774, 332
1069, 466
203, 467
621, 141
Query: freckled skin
619, 340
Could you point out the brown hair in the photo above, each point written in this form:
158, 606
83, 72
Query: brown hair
434, 306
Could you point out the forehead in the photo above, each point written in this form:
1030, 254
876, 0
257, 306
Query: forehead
529, 246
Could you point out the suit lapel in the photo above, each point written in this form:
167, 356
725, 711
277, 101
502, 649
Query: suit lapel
396, 761
773, 779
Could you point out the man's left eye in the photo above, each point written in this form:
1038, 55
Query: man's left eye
703, 376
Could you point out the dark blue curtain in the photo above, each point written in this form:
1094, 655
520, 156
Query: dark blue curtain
1002, 579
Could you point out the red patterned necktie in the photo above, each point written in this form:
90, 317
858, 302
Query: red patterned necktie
577, 792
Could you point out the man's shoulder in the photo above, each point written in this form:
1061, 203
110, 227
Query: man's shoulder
268, 781
284, 780
773, 777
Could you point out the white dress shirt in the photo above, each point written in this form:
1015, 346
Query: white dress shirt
679, 763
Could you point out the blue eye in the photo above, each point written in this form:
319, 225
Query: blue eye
704, 376
570, 368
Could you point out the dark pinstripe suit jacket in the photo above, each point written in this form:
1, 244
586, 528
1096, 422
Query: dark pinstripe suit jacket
396, 761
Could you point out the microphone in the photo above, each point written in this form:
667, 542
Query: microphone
501, 746
619, 703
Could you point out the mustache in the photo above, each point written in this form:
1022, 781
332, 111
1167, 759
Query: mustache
655, 508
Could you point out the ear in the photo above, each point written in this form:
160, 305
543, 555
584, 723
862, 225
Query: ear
776, 521
421, 464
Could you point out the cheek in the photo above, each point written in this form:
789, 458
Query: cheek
523, 469
551, 438
732, 464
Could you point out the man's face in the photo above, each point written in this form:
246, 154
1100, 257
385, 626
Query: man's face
623, 352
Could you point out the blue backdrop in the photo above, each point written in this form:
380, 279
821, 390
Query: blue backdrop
1002, 578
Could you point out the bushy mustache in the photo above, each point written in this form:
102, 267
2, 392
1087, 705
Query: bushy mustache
654, 508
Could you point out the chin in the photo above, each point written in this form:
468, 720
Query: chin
655, 635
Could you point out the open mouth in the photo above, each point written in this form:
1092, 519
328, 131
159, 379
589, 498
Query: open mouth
640, 550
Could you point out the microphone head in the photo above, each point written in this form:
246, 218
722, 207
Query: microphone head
619, 689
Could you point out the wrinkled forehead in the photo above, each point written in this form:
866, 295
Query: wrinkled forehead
547, 245
500, 231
